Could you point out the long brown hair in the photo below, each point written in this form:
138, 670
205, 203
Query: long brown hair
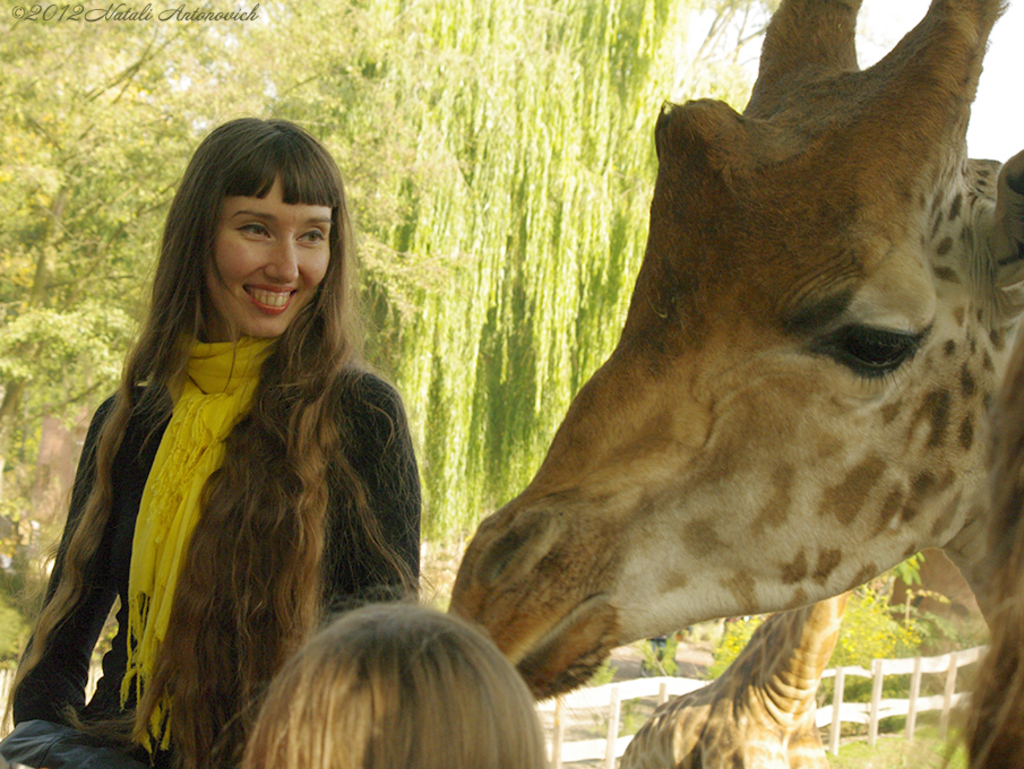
397, 685
250, 591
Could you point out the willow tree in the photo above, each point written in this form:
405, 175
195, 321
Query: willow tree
498, 157
511, 145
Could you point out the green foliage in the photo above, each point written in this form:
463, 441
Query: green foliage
927, 751
655, 664
12, 632
909, 570
870, 632
734, 638
940, 634
498, 158
604, 674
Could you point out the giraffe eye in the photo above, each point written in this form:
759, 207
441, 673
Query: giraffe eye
871, 352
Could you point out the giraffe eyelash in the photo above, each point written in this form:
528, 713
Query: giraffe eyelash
870, 352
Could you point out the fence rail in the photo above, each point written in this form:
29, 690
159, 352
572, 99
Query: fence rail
605, 702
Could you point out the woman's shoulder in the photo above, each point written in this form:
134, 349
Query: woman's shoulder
369, 393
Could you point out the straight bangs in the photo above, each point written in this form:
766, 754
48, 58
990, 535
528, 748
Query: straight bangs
308, 175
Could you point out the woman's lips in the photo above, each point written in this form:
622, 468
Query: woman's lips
269, 299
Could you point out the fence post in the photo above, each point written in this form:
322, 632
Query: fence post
915, 692
947, 695
662, 693
558, 737
876, 699
613, 729
837, 708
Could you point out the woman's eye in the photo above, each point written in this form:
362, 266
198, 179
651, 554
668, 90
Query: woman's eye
871, 352
253, 229
314, 235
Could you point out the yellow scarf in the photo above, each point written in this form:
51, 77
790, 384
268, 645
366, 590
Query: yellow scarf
221, 379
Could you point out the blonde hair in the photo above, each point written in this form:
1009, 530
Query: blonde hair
397, 685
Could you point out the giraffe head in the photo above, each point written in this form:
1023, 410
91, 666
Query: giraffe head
797, 399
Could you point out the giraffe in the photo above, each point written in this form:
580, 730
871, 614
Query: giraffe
797, 399
760, 712
995, 730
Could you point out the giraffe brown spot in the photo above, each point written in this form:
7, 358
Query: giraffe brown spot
677, 582
958, 315
776, 510
945, 246
911, 549
967, 432
967, 384
967, 237
922, 489
890, 508
954, 209
935, 409
829, 446
867, 572
701, 539
846, 499
828, 560
946, 274
890, 411
949, 348
797, 570
986, 362
742, 588
997, 339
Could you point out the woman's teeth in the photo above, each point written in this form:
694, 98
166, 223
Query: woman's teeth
270, 298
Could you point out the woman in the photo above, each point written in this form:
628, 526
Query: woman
248, 477
397, 685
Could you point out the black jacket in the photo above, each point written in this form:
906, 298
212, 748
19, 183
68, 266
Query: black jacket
383, 458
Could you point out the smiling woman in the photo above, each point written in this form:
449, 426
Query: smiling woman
249, 477
269, 257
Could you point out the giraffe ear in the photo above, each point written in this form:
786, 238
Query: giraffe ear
1006, 241
714, 142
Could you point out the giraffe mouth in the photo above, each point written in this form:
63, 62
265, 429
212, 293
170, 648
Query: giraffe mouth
568, 654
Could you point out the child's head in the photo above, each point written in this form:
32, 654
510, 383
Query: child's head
397, 685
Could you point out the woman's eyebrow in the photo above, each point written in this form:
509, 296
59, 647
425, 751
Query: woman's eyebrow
271, 218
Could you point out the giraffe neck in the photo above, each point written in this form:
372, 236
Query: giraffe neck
796, 652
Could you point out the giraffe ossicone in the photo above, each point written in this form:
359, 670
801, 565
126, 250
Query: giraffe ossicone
798, 399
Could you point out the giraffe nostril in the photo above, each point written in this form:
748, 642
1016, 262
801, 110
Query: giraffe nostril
516, 552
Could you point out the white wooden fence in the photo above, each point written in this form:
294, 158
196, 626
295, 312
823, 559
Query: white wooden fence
604, 704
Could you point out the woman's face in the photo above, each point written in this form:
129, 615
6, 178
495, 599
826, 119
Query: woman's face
269, 257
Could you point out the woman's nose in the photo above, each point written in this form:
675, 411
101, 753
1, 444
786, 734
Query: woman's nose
284, 263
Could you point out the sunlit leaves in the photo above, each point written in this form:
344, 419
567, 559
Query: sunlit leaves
498, 160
